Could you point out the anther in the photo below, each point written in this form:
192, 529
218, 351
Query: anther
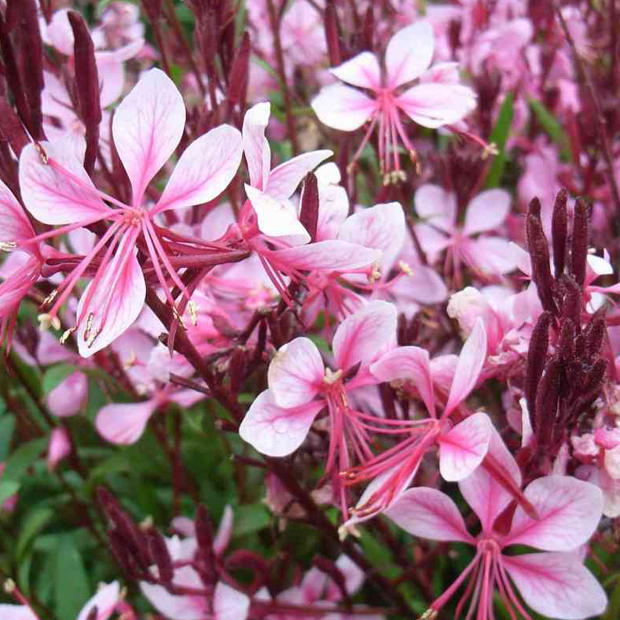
66, 334
49, 299
89, 324
94, 337
42, 154
7, 246
404, 267
47, 320
9, 586
178, 318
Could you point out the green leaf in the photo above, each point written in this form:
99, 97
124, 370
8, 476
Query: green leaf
552, 126
7, 426
71, 587
613, 609
33, 524
8, 488
19, 462
55, 375
250, 519
498, 137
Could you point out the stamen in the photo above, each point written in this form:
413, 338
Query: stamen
47, 320
42, 154
89, 324
49, 299
66, 334
7, 246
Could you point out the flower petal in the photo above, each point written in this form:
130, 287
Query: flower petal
124, 424
409, 53
434, 104
50, 196
255, 145
491, 255
229, 604
366, 335
471, 361
342, 107
274, 430
105, 600
295, 373
568, 510
115, 305
68, 397
147, 127
285, 179
556, 585
487, 211
428, 513
204, 170
14, 225
462, 449
436, 207
361, 70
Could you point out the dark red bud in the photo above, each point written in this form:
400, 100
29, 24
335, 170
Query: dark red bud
160, 555
11, 128
566, 341
309, 214
547, 396
239, 73
559, 231
332, 34
579, 246
536, 356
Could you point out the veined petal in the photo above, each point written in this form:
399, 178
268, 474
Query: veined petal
491, 255
433, 104
274, 218
361, 70
68, 398
487, 211
229, 604
52, 197
255, 145
105, 600
409, 363
342, 107
274, 430
14, 225
366, 335
295, 373
204, 170
556, 585
409, 53
328, 256
124, 424
428, 513
381, 227
471, 361
114, 306
436, 206
462, 448
568, 510
284, 179
486, 495
147, 127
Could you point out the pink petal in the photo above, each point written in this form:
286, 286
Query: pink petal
59, 32
68, 397
224, 531
556, 585
16, 612
412, 364
409, 53
229, 604
50, 351
275, 431
436, 206
381, 227
428, 513
295, 373
14, 225
50, 196
115, 305
434, 104
342, 107
483, 492
471, 361
275, 218
568, 509
176, 606
112, 72
462, 449
105, 600
204, 170
59, 447
124, 424
487, 211
491, 255
327, 256
284, 179
366, 335
362, 70
255, 145
147, 127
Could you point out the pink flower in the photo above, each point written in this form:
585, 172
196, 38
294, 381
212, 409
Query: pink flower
554, 583
461, 448
490, 255
436, 101
147, 128
300, 387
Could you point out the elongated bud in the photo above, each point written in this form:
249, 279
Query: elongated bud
536, 356
134, 538
579, 245
331, 569
240, 71
539, 253
160, 555
123, 555
309, 214
571, 303
87, 82
595, 335
204, 528
369, 28
11, 128
595, 376
236, 368
566, 341
332, 34
559, 232
547, 396
242, 558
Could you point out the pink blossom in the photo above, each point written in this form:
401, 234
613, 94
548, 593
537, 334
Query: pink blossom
437, 100
554, 583
147, 127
